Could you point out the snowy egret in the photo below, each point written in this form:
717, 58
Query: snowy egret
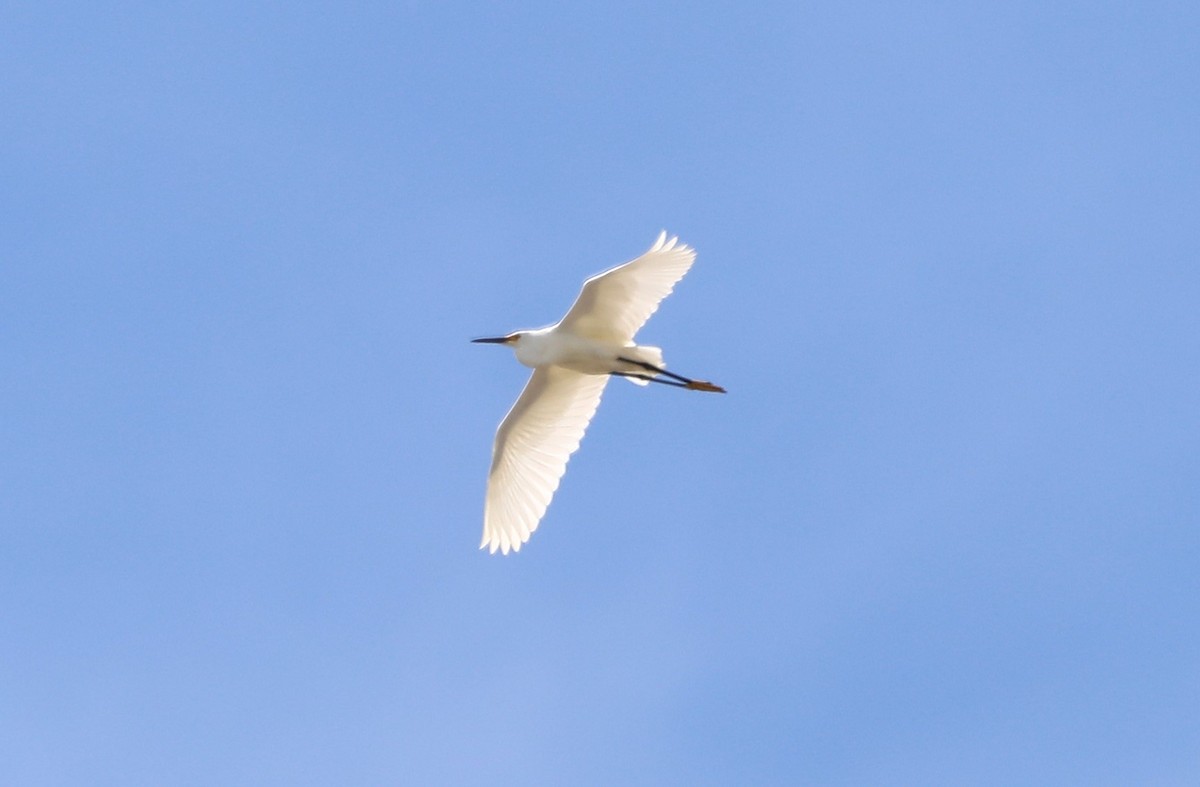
572, 361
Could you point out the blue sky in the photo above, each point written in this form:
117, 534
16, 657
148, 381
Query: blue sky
944, 529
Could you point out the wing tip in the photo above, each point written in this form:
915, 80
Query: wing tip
671, 243
502, 542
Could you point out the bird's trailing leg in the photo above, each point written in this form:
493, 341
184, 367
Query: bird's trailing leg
648, 378
684, 382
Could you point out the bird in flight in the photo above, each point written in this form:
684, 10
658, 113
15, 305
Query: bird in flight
572, 361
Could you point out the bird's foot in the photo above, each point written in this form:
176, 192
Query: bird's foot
702, 385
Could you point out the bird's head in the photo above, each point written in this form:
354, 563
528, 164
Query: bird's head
511, 340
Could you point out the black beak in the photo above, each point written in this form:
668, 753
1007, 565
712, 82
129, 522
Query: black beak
491, 340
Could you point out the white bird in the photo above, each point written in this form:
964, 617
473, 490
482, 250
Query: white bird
572, 361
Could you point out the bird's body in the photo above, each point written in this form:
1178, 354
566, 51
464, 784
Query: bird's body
572, 361
555, 346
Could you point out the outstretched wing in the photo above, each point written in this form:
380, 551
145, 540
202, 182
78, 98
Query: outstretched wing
530, 454
615, 304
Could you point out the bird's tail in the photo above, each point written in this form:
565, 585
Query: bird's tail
650, 355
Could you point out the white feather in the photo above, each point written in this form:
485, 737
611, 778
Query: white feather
532, 447
615, 304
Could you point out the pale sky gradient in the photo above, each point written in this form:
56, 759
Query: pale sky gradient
944, 529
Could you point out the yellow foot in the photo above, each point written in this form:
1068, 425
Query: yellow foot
701, 385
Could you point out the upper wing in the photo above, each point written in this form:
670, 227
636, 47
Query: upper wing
533, 443
615, 304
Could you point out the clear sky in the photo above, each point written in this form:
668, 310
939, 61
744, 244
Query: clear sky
944, 528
